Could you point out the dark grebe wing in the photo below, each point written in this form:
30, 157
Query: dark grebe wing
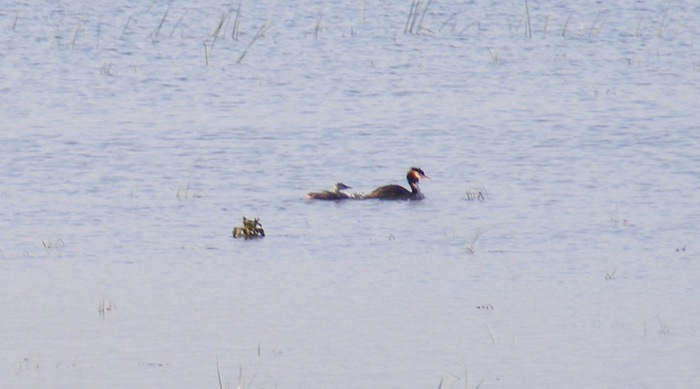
389, 192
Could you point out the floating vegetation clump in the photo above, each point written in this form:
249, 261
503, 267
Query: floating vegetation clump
610, 275
53, 244
105, 306
477, 195
251, 229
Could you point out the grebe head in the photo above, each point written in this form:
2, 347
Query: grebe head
415, 174
340, 186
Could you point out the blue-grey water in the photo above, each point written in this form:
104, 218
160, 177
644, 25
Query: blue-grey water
135, 135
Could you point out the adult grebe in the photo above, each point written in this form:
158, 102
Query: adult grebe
397, 192
333, 194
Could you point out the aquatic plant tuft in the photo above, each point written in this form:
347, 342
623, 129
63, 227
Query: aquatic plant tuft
252, 229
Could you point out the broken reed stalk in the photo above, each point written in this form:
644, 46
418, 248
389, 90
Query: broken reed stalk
154, 34
425, 9
126, 25
566, 24
590, 32
494, 59
470, 248
75, 34
57, 34
258, 35
224, 16
660, 33
362, 11
414, 21
639, 25
528, 30
216, 31
176, 25
218, 373
215, 35
318, 25
414, 4
236, 22
448, 21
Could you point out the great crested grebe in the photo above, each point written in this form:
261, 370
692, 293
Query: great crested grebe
397, 192
333, 194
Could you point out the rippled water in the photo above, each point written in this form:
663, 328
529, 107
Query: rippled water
133, 141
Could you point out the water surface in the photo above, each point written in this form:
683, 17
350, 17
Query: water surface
130, 155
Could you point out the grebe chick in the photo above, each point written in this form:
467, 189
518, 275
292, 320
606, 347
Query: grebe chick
397, 192
333, 194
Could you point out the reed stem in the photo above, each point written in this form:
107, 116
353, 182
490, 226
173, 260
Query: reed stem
528, 30
260, 33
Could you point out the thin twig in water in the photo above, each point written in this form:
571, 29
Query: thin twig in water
99, 27
663, 327
241, 380
494, 58
660, 33
414, 4
466, 380
126, 25
448, 21
362, 11
318, 25
160, 25
179, 21
491, 335
218, 373
563, 30
528, 31
470, 248
590, 33
75, 34
261, 32
224, 16
236, 22
420, 23
413, 24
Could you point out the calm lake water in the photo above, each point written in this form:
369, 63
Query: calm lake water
557, 245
